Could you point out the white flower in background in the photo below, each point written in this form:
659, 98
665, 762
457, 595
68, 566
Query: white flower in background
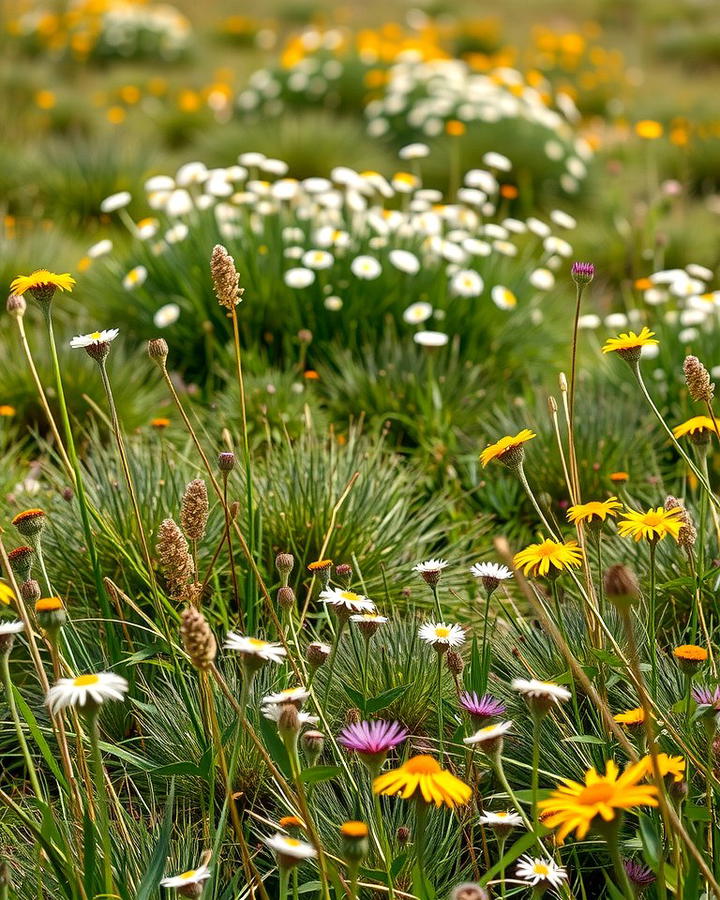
430, 565
115, 202
616, 321
254, 647
365, 267
318, 259
505, 248
297, 696
405, 261
489, 733
192, 876
274, 711
417, 313
537, 871
497, 161
476, 247
430, 338
655, 296
538, 227
347, 600
94, 338
11, 628
147, 228
589, 320
191, 173
503, 297
276, 167
686, 286
687, 336
251, 159
467, 283
159, 183
554, 244
299, 277
179, 203
440, 634
696, 271
563, 219
102, 248
177, 233
501, 819
540, 690
167, 315
92, 689
414, 151
289, 850
651, 351
491, 570
333, 303
317, 185
484, 181
135, 277
542, 279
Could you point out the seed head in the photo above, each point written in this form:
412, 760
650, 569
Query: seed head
344, 573
286, 597
194, 510
30, 591
621, 586
697, 379
284, 563
175, 560
198, 640
454, 662
317, 654
158, 351
312, 743
226, 461
16, 305
21, 559
688, 532
352, 716
402, 835
225, 278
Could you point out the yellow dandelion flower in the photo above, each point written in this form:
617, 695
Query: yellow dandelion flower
690, 653
422, 776
631, 717
668, 765
648, 129
574, 806
42, 280
695, 425
537, 559
653, 525
629, 343
7, 411
504, 448
7, 595
595, 510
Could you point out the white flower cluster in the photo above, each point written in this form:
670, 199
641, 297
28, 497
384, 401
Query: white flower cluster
132, 29
357, 228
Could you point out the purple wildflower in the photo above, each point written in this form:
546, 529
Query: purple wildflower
372, 738
640, 876
481, 709
582, 272
704, 696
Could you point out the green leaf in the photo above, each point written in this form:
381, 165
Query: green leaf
421, 887
386, 698
275, 746
39, 738
650, 841
517, 849
355, 696
584, 739
319, 773
696, 813
154, 871
177, 768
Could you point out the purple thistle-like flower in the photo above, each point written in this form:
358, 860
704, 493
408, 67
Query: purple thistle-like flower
582, 272
481, 708
372, 738
705, 696
640, 876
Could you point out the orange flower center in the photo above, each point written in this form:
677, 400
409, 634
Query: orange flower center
85, 680
596, 793
422, 765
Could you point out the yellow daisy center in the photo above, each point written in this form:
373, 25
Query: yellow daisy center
349, 595
540, 869
187, 875
256, 642
292, 842
422, 765
85, 680
442, 632
96, 335
595, 793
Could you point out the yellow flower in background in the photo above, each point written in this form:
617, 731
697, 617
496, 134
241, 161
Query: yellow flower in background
422, 775
668, 765
630, 341
500, 449
653, 525
538, 559
575, 805
41, 279
631, 717
7, 410
648, 129
595, 509
7, 595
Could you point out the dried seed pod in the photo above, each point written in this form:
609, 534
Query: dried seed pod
194, 510
198, 639
175, 560
225, 278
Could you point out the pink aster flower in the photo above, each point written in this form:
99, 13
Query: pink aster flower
372, 740
480, 709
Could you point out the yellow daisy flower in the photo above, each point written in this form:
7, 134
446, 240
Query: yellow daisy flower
574, 805
631, 717
7, 595
653, 525
503, 449
423, 774
697, 426
43, 282
691, 653
629, 344
538, 558
594, 511
668, 765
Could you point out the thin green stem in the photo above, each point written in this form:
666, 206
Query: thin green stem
331, 662
535, 774
103, 823
620, 873
7, 684
653, 622
441, 723
284, 878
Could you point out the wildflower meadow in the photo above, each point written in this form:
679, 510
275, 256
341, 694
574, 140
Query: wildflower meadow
360, 496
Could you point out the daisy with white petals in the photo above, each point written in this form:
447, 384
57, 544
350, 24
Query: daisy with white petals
254, 648
289, 851
442, 636
86, 691
297, 696
94, 338
540, 872
501, 820
542, 691
346, 602
191, 877
487, 737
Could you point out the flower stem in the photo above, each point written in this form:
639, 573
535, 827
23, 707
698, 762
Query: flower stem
441, 724
535, 774
7, 684
103, 822
653, 623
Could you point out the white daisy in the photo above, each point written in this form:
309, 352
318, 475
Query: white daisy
135, 277
439, 634
414, 151
274, 711
365, 267
347, 601
489, 733
430, 338
115, 202
11, 628
333, 303
290, 851
254, 647
167, 315
467, 283
536, 871
95, 338
417, 313
540, 690
503, 819
297, 696
299, 277
431, 565
542, 279
404, 261
318, 259
491, 570
192, 876
84, 690
503, 297
101, 248
370, 618
497, 161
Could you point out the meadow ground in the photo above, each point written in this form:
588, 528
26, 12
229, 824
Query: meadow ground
360, 532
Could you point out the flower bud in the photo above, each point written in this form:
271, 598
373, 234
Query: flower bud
468, 891
354, 842
30, 522
30, 591
226, 461
352, 716
16, 305
402, 835
582, 273
317, 653
621, 586
344, 574
286, 597
312, 743
158, 350
284, 563
21, 559
50, 612
454, 662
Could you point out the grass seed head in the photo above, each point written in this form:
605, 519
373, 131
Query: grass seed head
198, 639
194, 510
175, 560
225, 278
697, 379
